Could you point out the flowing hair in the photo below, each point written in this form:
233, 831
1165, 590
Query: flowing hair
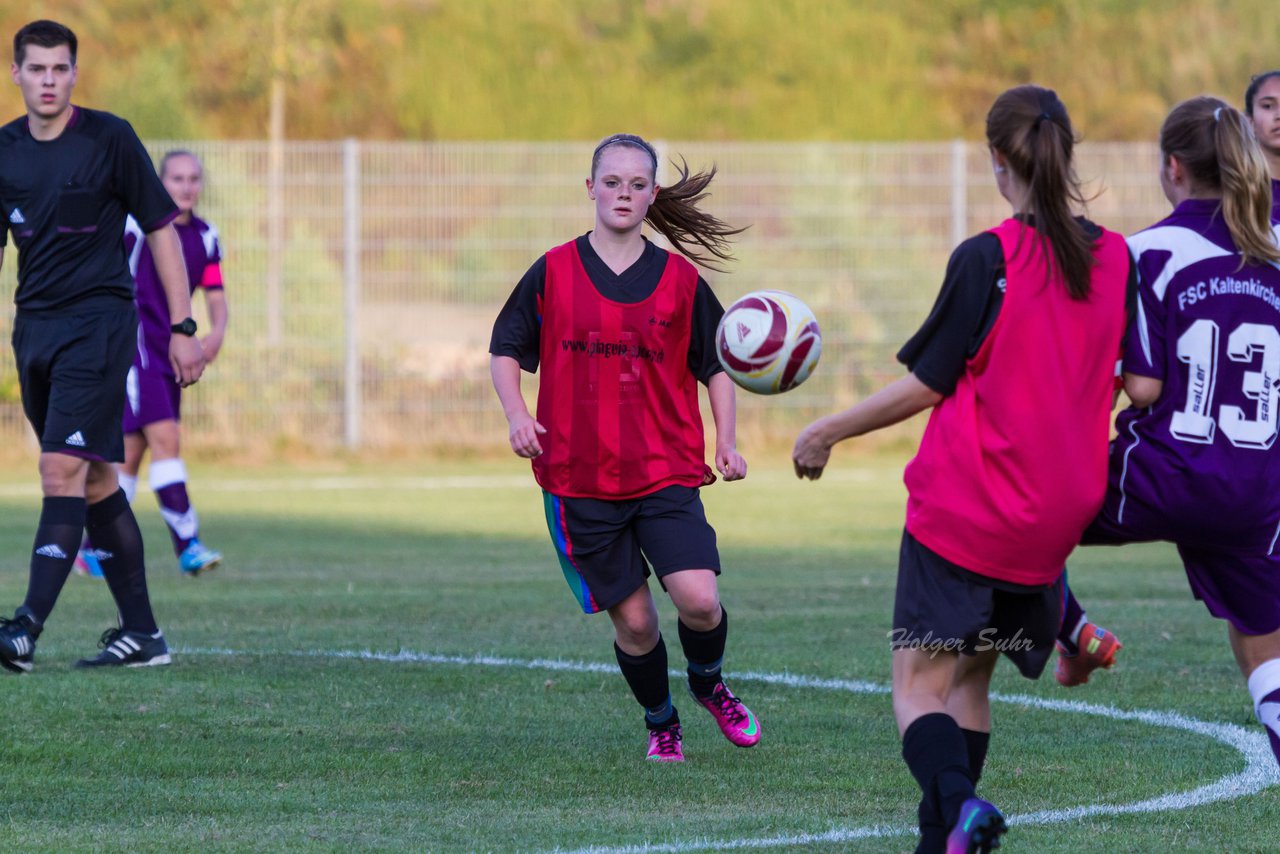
698, 235
1029, 125
1215, 144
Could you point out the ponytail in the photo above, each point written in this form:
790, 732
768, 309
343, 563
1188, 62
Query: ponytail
1215, 145
1029, 125
675, 212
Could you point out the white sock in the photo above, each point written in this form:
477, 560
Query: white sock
129, 483
1264, 683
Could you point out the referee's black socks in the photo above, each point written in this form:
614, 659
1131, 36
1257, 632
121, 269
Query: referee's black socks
705, 653
647, 676
113, 530
57, 540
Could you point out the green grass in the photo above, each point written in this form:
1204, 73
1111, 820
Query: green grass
255, 740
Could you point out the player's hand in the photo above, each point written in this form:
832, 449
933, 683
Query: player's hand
211, 344
730, 463
186, 358
524, 436
811, 453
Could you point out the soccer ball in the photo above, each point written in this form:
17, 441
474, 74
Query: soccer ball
768, 342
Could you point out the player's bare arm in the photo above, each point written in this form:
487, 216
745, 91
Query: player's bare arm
215, 300
523, 429
724, 411
896, 402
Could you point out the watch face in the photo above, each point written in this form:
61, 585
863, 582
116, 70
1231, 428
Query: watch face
186, 327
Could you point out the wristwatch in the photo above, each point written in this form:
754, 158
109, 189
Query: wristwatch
186, 327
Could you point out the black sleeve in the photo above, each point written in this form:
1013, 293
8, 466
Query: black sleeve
707, 311
963, 314
518, 330
1130, 300
135, 180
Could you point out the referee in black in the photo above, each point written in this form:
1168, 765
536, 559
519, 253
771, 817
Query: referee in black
68, 177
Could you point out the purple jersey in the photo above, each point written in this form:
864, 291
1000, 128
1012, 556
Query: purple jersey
202, 254
1200, 466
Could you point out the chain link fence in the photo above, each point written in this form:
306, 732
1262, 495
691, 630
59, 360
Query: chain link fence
363, 278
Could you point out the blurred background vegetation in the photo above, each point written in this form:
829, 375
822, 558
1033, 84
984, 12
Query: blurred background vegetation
678, 69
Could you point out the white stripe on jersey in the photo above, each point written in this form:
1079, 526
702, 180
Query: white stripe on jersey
210, 238
1187, 247
131, 227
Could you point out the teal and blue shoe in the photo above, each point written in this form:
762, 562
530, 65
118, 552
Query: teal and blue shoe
196, 558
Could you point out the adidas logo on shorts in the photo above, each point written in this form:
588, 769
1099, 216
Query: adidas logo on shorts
76, 439
16, 217
52, 550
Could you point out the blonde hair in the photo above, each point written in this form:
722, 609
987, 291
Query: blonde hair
1214, 142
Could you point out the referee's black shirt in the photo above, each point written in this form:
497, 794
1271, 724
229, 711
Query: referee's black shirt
65, 201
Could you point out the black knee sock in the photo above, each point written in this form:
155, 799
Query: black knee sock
647, 676
934, 749
976, 743
115, 535
57, 539
705, 653
1073, 617
933, 833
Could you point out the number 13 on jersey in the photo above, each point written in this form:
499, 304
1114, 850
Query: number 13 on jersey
1198, 349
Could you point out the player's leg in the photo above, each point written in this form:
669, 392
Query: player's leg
941, 609
642, 658
113, 529
135, 446
158, 418
604, 568
1259, 660
933, 743
672, 529
52, 408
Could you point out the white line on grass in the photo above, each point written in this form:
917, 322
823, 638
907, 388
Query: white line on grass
362, 483
1259, 773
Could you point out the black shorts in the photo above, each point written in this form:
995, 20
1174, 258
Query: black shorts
605, 547
72, 370
943, 607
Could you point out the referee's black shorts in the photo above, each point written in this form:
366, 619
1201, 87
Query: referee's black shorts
72, 367
942, 607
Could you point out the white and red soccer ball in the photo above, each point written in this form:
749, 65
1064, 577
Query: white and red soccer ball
768, 342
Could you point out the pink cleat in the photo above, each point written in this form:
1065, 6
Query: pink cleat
734, 719
664, 745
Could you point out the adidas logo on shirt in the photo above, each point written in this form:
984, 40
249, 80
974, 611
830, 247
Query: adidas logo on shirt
52, 550
16, 217
76, 439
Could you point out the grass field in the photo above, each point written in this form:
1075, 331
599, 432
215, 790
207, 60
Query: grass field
327, 693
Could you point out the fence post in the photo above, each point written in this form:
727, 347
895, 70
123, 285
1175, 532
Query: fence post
352, 392
959, 193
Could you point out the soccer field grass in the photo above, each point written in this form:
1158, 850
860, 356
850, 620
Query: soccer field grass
390, 661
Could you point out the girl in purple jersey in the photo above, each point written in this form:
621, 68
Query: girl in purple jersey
1262, 105
1195, 461
153, 409
1083, 646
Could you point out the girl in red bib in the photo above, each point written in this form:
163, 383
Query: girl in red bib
622, 332
1017, 362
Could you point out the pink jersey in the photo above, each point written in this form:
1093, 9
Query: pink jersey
1013, 465
616, 394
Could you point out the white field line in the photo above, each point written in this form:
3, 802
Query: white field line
1260, 770
401, 483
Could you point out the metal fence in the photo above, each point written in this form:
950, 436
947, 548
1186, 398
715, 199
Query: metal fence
363, 278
